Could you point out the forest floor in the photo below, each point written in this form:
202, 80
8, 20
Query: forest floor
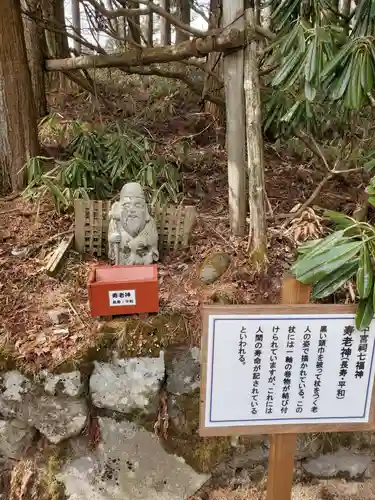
27, 338
27, 293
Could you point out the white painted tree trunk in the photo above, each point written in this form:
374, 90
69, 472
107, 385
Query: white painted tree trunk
233, 67
255, 157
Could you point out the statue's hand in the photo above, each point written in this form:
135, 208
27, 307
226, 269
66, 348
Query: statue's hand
115, 238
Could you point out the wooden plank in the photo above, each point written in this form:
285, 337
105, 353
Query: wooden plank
99, 227
54, 262
282, 428
79, 225
283, 446
189, 221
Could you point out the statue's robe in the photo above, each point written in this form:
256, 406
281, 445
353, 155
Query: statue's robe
141, 249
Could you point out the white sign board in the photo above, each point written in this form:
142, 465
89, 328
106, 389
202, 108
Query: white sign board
122, 298
287, 369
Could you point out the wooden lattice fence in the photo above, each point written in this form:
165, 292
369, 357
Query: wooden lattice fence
174, 223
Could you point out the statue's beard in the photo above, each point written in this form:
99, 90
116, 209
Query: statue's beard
134, 225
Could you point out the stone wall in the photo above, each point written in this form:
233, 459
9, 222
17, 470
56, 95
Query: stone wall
129, 399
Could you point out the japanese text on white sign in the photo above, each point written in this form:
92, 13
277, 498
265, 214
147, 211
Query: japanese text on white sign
294, 369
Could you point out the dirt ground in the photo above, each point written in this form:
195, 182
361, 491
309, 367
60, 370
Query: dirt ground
325, 490
26, 292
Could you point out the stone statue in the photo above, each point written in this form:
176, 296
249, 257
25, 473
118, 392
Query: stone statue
132, 232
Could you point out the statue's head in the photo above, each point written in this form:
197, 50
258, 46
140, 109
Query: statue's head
134, 212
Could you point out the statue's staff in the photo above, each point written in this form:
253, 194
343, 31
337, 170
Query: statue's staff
117, 243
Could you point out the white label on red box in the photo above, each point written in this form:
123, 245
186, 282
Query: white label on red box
122, 298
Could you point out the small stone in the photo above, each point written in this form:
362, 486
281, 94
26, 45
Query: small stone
183, 372
339, 464
129, 384
69, 384
58, 316
15, 438
213, 267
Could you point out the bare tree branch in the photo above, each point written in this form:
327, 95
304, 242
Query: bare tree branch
172, 19
112, 14
138, 57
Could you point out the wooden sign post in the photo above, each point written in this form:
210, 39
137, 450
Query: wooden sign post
283, 370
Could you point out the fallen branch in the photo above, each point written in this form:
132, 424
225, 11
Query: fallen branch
307, 203
198, 47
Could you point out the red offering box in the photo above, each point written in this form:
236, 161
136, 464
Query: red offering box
119, 290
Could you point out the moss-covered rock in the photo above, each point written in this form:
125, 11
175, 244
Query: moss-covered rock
214, 266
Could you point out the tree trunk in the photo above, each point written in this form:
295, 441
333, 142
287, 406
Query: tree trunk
255, 161
57, 43
165, 26
214, 85
233, 68
18, 124
149, 30
134, 26
182, 13
35, 48
76, 21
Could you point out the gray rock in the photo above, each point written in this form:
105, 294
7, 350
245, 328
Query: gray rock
342, 463
58, 316
129, 464
249, 459
183, 372
15, 438
56, 417
213, 267
14, 386
126, 385
69, 384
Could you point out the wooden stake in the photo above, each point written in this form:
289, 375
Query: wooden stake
283, 446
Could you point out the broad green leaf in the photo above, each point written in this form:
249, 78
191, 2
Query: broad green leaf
322, 34
365, 313
365, 275
311, 60
289, 115
338, 59
371, 200
328, 285
340, 219
311, 270
286, 68
310, 92
308, 246
370, 165
342, 81
335, 238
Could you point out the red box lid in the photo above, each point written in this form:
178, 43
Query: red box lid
126, 273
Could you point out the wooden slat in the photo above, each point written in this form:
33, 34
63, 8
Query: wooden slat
79, 225
91, 220
53, 264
